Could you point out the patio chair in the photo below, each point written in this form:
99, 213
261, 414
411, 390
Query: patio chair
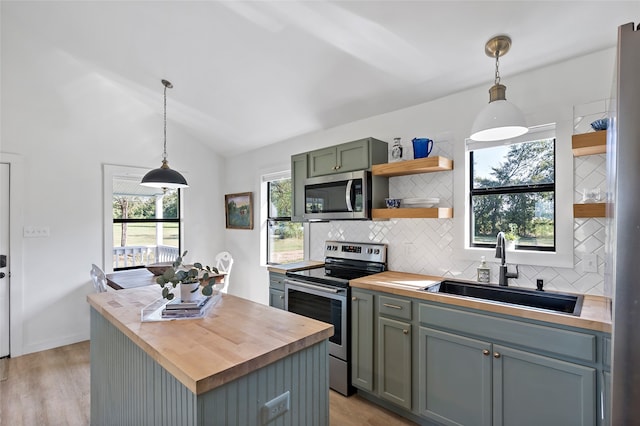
98, 278
224, 262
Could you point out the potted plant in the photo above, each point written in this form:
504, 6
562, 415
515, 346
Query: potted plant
190, 278
511, 236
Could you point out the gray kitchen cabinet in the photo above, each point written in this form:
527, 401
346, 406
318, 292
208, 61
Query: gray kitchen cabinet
394, 361
483, 377
276, 290
298, 175
362, 340
347, 157
454, 378
531, 389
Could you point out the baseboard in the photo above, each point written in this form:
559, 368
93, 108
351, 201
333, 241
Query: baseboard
55, 343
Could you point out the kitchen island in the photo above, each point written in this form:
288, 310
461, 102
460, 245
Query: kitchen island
220, 369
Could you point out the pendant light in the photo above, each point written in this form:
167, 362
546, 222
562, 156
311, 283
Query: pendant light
164, 177
499, 119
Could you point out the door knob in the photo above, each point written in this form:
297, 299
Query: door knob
496, 355
485, 352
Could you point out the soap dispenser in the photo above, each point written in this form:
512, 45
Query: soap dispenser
484, 273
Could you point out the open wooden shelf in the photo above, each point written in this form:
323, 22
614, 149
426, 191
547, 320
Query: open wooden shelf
589, 143
413, 167
413, 213
590, 210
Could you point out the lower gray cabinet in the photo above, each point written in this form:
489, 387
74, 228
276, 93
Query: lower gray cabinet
531, 389
362, 340
454, 378
276, 290
466, 381
394, 361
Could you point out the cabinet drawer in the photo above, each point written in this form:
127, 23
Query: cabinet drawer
395, 307
540, 338
276, 281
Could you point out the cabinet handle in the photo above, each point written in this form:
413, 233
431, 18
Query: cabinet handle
496, 355
486, 352
405, 331
281, 297
354, 298
391, 306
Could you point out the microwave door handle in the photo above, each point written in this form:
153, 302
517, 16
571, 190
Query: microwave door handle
347, 195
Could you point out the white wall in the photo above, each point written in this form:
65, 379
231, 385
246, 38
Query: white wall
65, 118
545, 95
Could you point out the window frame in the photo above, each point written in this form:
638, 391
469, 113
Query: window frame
514, 189
267, 219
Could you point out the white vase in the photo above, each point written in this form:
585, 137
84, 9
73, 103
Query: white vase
189, 291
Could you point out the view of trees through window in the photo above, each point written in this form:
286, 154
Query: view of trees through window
285, 239
146, 225
513, 190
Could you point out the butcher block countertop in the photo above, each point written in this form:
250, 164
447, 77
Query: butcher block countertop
235, 338
595, 314
298, 266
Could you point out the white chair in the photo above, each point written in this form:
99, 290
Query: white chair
99, 279
224, 262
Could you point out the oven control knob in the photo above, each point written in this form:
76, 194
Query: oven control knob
369, 251
328, 248
377, 251
335, 248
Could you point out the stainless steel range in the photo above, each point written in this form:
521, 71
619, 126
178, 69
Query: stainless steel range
324, 294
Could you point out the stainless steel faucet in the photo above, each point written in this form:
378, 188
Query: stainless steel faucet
501, 252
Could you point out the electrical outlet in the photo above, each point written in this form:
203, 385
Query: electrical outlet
35, 232
276, 407
590, 263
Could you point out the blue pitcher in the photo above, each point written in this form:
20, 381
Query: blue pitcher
422, 147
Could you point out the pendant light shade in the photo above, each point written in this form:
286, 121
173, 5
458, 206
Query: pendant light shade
499, 119
164, 177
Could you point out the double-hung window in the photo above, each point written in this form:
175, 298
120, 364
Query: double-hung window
285, 239
145, 224
513, 190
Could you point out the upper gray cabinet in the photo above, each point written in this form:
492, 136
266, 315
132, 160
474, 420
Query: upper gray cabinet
347, 157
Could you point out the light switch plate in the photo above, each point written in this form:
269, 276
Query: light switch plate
590, 263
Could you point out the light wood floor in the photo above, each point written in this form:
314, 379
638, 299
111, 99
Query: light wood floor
51, 388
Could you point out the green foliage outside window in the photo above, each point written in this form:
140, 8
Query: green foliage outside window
513, 190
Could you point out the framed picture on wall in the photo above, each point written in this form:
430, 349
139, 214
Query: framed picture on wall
239, 210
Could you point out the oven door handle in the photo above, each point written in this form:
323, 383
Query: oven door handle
312, 286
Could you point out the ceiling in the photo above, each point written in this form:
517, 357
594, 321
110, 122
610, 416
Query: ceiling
249, 74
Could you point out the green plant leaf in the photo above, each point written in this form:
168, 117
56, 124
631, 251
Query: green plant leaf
197, 265
207, 290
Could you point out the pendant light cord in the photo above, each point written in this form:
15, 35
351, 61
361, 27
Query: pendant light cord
164, 153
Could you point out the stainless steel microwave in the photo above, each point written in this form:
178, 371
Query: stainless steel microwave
338, 196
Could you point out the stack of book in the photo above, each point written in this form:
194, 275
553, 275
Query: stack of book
176, 308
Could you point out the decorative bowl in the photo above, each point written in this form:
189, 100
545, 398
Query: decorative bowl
392, 203
159, 268
600, 124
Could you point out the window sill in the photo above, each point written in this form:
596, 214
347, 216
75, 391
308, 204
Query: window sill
521, 257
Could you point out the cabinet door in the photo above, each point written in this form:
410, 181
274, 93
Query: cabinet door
322, 161
394, 361
353, 156
530, 389
454, 378
362, 340
276, 298
298, 175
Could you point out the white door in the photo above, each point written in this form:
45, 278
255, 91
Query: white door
4, 259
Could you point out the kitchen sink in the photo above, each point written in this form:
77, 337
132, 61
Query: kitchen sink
557, 302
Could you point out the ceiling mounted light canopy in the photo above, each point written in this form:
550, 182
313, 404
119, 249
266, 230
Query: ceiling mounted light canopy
499, 119
164, 177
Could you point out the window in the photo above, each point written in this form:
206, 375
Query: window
512, 189
145, 224
285, 239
